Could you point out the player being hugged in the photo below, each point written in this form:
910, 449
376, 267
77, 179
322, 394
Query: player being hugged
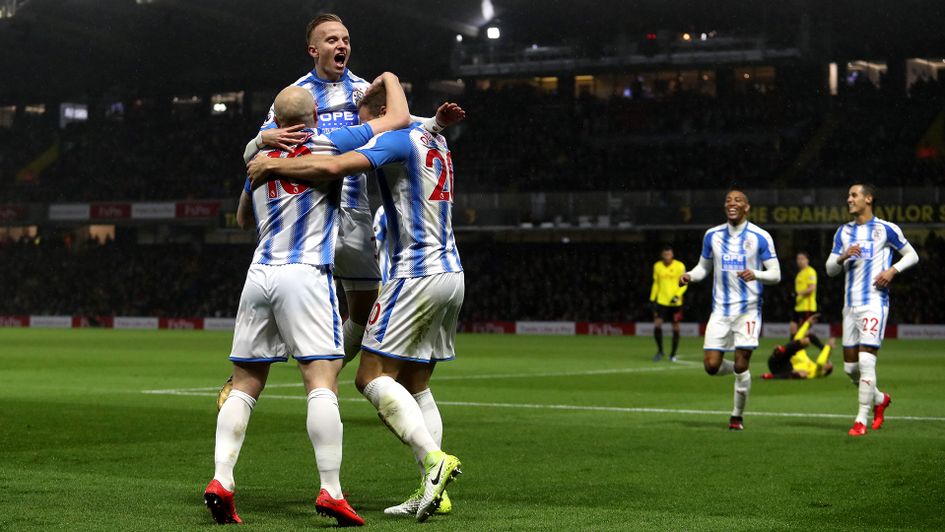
413, 324
337, 92
743, 257
288, 306
862, 249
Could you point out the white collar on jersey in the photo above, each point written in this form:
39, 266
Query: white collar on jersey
344, 75
736, 229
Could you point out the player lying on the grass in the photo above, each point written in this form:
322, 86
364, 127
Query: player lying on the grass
743, 258
413, 324
791, 361
288, 305
863, 248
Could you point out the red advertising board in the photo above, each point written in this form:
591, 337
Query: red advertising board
488, 327
14, 321
606, 329
181, 323
12, 213
197, 209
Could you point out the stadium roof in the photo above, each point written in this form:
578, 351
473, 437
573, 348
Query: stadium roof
56, 49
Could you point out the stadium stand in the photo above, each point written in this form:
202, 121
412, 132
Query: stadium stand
571, 282
688, 140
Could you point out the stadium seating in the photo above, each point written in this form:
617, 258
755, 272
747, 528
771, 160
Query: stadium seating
574, 281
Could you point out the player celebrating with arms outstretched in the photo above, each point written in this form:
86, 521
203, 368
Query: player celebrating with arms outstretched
861, 248
737, 250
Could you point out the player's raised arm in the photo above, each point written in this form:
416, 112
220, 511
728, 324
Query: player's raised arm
313, 168
447, 115
282, 138
396, 113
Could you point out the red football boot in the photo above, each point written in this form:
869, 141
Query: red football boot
735, 423
859, 429
337, 508
879, 411
220, 503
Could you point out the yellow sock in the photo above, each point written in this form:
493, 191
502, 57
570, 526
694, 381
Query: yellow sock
802, 331
822, 359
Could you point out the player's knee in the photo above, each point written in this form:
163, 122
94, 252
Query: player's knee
361, 381
712, 366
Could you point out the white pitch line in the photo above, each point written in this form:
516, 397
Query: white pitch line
464, 377
579, 408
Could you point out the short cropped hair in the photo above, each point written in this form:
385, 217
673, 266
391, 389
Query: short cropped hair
737, 189
317, 21
374, 100
869, 189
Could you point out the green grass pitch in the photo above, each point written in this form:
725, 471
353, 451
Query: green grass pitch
573, 433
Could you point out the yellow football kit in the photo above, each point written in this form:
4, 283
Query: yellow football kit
666, 290
804, 280
802, 362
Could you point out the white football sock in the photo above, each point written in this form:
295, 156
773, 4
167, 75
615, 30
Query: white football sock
852, 369
431, 418
353, 334
402, 414
742, 389
325, 430
878, 396
727, 368
867, 387
231, 430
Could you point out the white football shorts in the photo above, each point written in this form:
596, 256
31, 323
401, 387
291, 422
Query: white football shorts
865, 325
727, 333
355, 254
289, 310
415, 319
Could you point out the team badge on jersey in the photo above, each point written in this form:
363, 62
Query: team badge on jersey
356, 96
747, 245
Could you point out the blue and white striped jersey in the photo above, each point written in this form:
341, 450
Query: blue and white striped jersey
418, 202
296, 222
877, 239
733, 250
337, 106
380, 241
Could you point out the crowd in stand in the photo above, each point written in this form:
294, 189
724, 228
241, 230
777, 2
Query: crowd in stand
504, 281
522, 139
695, 141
